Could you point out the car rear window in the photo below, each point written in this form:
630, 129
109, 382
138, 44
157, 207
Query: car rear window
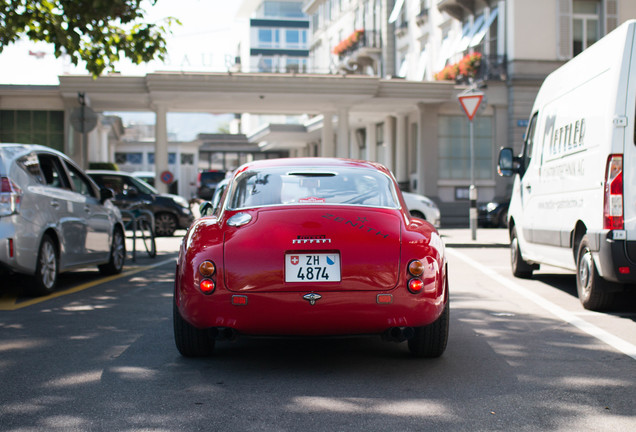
212, 177
31, 164
285, 186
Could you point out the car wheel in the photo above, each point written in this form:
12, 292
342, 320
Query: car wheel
595, 293
165, 225
520, 268
47, 268
190, 341
117, 255
430, 341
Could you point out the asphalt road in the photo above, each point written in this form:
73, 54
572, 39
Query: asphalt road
522, 356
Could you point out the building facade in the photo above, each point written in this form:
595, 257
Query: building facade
381, 83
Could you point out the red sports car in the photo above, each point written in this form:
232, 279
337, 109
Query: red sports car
311, 247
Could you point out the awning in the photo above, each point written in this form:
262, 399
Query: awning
404, 67
468, 36
479, 36
396, 11
421, 65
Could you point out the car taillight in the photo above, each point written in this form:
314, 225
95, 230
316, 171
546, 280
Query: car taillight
10, 197
415, 284
207, 269
613, 203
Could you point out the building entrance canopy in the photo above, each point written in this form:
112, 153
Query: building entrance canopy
254, 93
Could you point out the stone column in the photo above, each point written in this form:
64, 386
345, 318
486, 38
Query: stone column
401, 150
426, 150
327, 146
342, 149
372, 145
161, 146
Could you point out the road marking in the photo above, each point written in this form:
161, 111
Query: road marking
569, 317
10, 304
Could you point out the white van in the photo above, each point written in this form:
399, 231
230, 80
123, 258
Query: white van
573, 201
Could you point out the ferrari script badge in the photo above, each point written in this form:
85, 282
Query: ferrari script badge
312, 298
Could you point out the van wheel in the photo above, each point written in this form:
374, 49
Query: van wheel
594, 291
520, 268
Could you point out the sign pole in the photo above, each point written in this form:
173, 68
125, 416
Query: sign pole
470, 101
472, 191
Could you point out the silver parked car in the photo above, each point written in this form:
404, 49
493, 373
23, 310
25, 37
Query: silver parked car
54, 218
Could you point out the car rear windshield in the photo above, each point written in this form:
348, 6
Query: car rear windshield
285, 186
212, 177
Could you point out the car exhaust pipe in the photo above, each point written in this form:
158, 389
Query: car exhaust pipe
225, 333
398, 334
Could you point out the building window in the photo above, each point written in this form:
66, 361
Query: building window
379, 134
454, 148
281, 9
33, 127
266, 64
187, 158
128, 158
268, 38
586, 28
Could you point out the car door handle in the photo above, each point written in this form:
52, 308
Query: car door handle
87, 209
529, 188
55, 204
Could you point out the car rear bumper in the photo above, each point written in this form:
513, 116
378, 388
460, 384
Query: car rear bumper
289, 314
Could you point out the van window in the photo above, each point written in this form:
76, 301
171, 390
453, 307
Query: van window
528, 147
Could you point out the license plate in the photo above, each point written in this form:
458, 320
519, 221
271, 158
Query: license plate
318, 267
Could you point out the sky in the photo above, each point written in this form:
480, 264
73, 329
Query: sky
208, 34
207, 37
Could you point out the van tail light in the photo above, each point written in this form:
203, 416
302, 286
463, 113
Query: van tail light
613, 205
10, 197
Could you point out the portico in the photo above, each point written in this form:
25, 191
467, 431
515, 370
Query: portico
341, 105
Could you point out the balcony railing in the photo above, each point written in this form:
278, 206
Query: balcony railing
475, 67
358, 40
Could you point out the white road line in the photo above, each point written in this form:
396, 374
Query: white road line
570, 318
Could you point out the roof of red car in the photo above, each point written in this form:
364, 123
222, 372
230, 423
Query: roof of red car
315, 162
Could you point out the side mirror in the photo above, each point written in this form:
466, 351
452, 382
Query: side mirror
505, 166
105, 194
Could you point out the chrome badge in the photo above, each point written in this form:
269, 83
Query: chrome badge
312, 298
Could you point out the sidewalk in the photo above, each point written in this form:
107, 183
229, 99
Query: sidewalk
486, 237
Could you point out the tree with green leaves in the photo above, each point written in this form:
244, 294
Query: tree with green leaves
98, 32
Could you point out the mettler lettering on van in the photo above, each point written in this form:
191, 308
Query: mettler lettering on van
565, 138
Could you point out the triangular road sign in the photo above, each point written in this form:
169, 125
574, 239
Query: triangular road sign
470, 103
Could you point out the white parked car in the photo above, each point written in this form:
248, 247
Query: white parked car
422, 207
54, 218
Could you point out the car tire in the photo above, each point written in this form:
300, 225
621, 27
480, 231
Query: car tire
520, 268
117, 255
165, 225
190, 341
47, 268
430, 341
595, 293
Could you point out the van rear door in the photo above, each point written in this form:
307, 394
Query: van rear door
629, 152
